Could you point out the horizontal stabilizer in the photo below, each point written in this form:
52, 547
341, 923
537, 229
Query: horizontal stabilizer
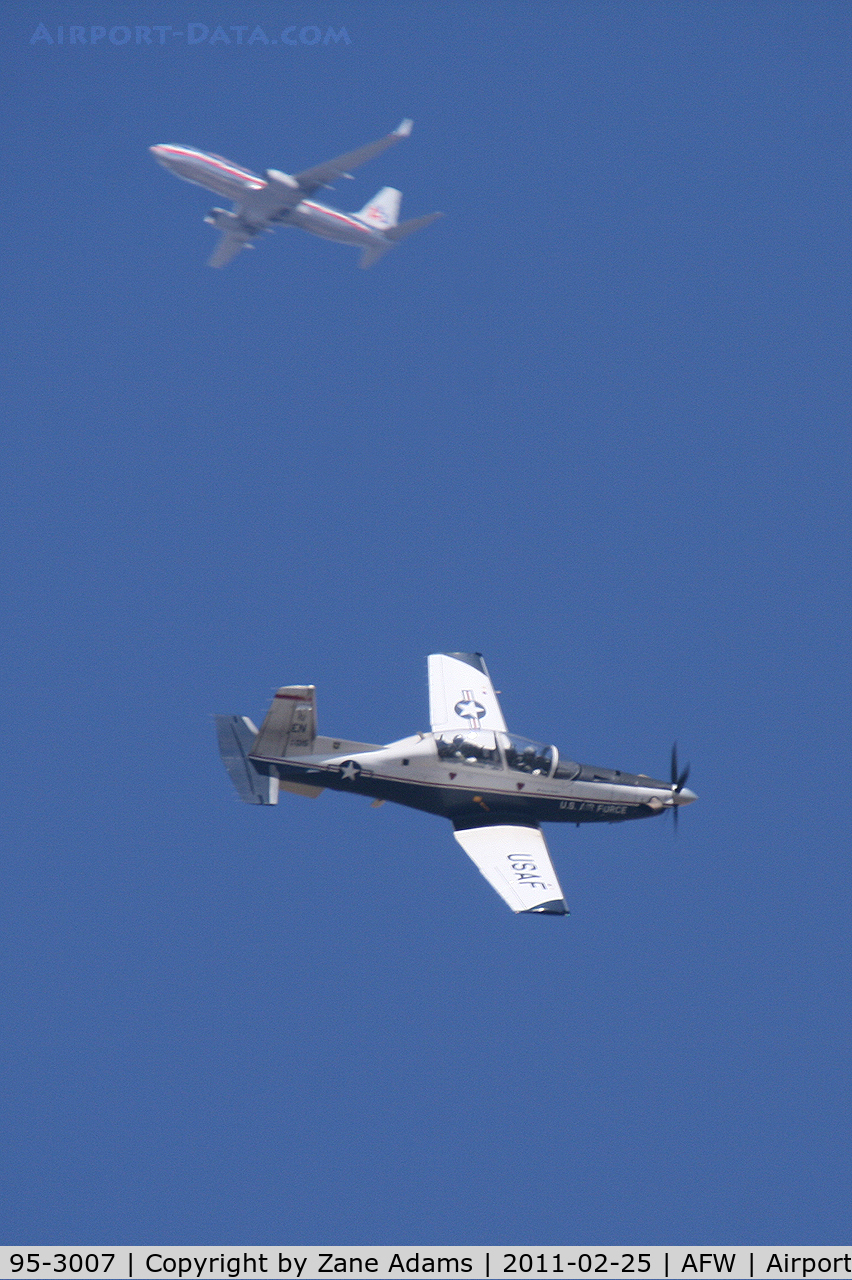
254, 783
403, 229
301, 789
516, 863
391, 234
372, 254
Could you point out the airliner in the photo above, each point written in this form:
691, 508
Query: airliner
283, 199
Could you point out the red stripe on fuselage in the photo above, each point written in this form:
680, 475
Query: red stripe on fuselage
322, 208
215, 163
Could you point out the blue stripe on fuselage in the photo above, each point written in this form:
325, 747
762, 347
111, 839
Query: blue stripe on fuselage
459, 803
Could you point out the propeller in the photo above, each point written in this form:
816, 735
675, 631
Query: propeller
678, 780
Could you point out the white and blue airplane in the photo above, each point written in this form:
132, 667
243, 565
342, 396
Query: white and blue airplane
282, 199
494, 786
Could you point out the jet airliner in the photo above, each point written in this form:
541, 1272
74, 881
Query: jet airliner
282, 199
494, 786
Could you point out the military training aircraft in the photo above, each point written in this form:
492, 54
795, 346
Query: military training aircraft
284, 200
494, 786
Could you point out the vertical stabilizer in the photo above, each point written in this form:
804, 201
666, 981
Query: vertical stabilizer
383, 210
290, 725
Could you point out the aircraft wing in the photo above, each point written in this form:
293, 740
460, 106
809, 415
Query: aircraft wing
461, 695
228, 247
310, 179
516, 863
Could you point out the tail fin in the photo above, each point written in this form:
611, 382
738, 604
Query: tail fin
383, 210
290, 725
255, 783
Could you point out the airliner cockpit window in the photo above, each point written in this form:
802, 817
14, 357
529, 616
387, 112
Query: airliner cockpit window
526, 756
475, 748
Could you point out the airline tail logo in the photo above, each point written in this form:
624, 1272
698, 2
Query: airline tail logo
377, 216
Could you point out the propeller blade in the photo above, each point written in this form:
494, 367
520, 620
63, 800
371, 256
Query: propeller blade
678, 782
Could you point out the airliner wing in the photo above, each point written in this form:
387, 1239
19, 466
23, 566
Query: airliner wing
461, 695
516, 863
227, 248
326, 173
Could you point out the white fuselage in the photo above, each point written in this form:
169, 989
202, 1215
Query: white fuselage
322, 220
250, 194
485, 774
496, 787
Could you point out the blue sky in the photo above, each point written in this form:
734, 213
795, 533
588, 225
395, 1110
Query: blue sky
594, 424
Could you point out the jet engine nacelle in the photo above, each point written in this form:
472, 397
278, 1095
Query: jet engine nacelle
222, 219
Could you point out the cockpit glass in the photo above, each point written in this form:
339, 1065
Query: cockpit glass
478, 749
567, 769
527, 757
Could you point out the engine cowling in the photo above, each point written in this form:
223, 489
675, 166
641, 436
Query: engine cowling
275, 175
